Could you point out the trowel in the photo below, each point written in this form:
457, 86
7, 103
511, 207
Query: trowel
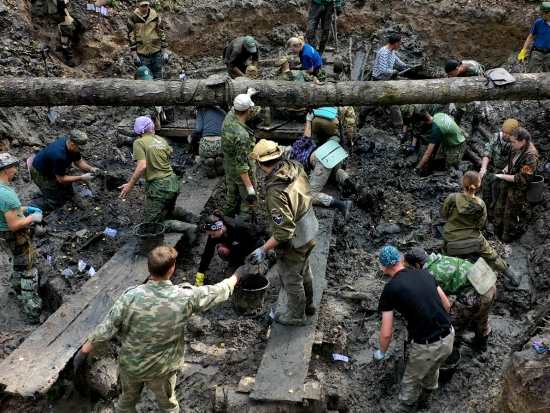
51, 115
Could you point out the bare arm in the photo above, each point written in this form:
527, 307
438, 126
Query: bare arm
270, 244
444, 300
505, 177
426, 157
67, 179
246, 180
15, 222
386, 330
138, 172
484, 164
528, 41
83, 165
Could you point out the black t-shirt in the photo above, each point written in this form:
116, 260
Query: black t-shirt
55, 159
413, 293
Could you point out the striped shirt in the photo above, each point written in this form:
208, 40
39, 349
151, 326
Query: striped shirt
385, 62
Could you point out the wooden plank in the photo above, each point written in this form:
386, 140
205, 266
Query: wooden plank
35, 365
285, 363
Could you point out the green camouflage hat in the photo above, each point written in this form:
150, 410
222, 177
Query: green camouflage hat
545, 6
143, 73
7, 160
78, 137
250, 44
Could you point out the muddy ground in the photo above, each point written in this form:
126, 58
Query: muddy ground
222, 346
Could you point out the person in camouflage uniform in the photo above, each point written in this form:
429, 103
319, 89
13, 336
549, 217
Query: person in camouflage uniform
495, 159
466, 216
512, 212
468, 307
240, 173
152, 154
149, 321
321, 11
333, 121
415, 132
294, 227
15, 236
207, 133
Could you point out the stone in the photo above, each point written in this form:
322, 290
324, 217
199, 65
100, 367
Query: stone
102, 377
387, 228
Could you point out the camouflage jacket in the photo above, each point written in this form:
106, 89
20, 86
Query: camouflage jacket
149, 321
451, 273
466, 217
524, 167
146, 34
497, 150
237, 143
288, 198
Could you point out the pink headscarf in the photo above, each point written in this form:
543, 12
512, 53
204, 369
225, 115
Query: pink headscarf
144, 124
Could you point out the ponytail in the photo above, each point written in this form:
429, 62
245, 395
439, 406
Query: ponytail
471, 182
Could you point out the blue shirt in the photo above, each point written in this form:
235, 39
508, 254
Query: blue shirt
209, 121
310, 58
55, 159
541, 31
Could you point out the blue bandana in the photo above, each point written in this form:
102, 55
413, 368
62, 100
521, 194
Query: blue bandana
389, 255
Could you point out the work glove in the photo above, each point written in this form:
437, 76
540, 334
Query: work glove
404, 136
379, 355
522, 55
256, 257
32, 210
165, 56
95, 171
409, 150
199, 279
310, 116
36, 217
136, 59
79, 361
251, 91
251, 195
87, 177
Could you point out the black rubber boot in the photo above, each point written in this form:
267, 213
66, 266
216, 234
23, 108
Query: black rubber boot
68, 57
424, 400
349, 187
219, 166
210, 166
343, 206
511, 280
480, 343
404, 408
310, 308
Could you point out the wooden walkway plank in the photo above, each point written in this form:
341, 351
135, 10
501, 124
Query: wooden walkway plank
35, 365
285, 363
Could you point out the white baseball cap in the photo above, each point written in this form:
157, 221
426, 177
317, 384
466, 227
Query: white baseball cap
243, 102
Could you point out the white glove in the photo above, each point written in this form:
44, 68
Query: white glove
36, 217
257, 256
165, 57
251, 91
310, 116
94, 170
379, 355
250, 191
87, 177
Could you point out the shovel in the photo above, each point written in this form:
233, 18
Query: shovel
410, 69
51, 115
273, 127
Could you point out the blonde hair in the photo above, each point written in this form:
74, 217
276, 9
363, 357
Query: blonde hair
471, 182
295, 41
161, 259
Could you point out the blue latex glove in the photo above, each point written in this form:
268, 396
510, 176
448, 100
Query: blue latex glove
32, 210
257, 256
379, 355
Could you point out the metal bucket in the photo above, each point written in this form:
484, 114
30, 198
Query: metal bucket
149, 236
248, 298
535, 190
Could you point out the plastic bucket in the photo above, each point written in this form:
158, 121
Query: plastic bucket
149, 236
248, 298
535, 190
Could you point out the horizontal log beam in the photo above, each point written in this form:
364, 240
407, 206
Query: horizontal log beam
123, 92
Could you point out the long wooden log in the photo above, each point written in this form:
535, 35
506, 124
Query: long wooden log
121, 92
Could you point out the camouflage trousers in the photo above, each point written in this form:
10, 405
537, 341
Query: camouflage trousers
294, 272
453, 154
54, 194
489, 254
512, 212
472, 309
211, 153
490, 191
422, 369
319, 177
539, 62
24, 277
235, 198
162, 387
160, 198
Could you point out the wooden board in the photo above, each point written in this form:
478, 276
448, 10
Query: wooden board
285, 363
35, 365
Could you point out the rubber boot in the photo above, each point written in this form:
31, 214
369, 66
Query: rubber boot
310, 308
295, 314
424, 400
219, 166
210, 165
288, 320
511, 280
349, 187
404, 408
189, 231
480, 343
343, 206
68, 56
181, 214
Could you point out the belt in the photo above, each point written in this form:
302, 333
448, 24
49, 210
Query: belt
433, 338
212, 138
541, 50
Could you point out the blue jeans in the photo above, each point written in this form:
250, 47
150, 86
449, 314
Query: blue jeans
154, 63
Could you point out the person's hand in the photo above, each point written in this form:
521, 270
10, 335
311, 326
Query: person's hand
36, 217
251, 91
310, 116
87, 177
79, 361
379, 355
394, 74
409, 150
404, 137
95, 171
243, 273
165, 56
250, 195
32, 210
522, 55
257, 256
125, 189
482, 173
199, 279
136, 59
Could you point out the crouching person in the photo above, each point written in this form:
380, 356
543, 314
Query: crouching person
415, 294
149, 320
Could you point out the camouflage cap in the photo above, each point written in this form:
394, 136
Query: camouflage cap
545, 6
7, 160
78, 137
